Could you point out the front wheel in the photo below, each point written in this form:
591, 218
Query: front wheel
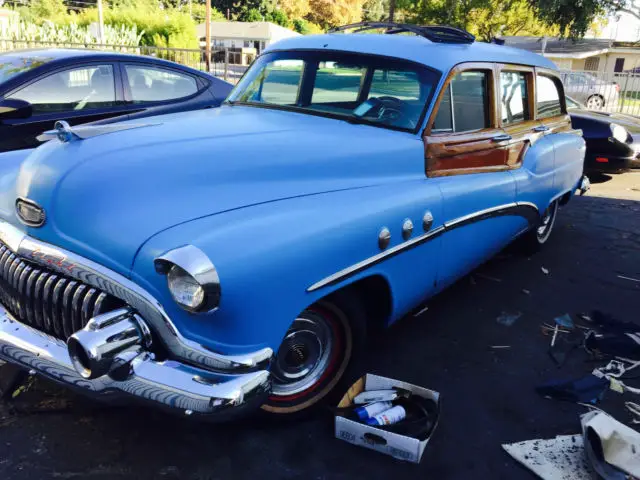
316, 356
595, 102
534, 239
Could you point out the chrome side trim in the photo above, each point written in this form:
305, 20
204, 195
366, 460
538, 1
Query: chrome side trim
527, 210
371, 261
147, 306
170, 384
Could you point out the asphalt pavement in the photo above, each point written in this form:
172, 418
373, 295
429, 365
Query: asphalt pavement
488, 395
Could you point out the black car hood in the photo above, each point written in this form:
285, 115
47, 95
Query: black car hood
630, 122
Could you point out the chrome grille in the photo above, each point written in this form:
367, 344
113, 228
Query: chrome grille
44, 299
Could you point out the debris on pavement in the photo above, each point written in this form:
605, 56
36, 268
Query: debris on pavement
500, 346
560, 458
588, 389
565, 321
611, 447
526, 292
629, 278
488, 277
508, 318
633, 409
545, 270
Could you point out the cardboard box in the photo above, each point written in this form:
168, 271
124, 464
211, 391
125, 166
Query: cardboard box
399, 446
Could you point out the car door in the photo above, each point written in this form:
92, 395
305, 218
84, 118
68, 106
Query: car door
468, 156
77, 94
551, 113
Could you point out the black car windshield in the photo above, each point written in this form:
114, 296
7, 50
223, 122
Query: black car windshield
12, 64
380, 91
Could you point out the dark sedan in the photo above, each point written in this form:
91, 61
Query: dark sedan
38, 87
613, 139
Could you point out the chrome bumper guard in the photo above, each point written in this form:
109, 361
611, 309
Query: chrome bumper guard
180, 387
585, 185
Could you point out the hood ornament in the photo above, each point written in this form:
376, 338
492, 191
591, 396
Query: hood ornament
30, 213
65, 133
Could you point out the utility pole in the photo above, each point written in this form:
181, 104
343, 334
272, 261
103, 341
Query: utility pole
190, 9
207, 35
100, 23
392, 10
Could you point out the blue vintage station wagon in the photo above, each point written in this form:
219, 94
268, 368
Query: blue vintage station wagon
224, 260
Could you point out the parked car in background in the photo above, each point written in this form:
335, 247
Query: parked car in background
613, 139
229, 259
38, 87
586, 88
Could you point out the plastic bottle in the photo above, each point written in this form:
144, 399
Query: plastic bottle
388, 417
370, 396
371, 410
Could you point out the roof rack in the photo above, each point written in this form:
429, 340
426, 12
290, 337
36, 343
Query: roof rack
435, 33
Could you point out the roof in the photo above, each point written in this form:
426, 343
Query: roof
245, 30
441, 56
561, 47
62, 55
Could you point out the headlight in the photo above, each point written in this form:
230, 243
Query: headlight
185, 289
619, 133
191, 278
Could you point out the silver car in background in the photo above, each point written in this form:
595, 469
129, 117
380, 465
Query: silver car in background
595, 93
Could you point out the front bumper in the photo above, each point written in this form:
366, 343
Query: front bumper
174, 385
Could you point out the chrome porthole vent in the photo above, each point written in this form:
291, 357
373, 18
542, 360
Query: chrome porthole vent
384, 238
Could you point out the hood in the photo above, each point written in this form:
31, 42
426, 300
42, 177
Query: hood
106, 195
630, 122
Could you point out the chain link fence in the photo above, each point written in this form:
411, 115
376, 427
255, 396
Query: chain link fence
226, 63
609, 92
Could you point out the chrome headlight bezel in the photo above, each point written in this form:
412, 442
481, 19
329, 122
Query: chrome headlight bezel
190, 265
619, 133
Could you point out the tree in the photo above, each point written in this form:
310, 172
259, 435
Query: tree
375, 10
331, 13
574, 18
486, 19
296, 9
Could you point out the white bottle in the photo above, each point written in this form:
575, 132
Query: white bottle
371, 410
388, 417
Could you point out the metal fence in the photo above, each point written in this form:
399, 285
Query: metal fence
226, 63
610, 92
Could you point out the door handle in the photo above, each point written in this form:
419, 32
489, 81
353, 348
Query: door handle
541, 128
501, 138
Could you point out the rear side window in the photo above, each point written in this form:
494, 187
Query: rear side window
278, 83
152, 84
465, 103
548, 101
513, 97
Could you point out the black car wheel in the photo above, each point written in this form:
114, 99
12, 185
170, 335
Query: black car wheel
538, 236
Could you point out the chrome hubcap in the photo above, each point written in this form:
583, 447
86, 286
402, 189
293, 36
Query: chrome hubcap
303, 355
594, 102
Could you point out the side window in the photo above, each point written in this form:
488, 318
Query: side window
548, 101
152, 84
337, 83
74, 89
514, 100
403, 85
465, 104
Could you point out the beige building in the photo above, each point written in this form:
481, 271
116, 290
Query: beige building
591, 54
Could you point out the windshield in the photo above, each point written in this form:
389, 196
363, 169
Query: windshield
366, 89
15, 64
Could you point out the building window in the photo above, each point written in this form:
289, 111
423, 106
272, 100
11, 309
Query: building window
619, 66
592, 64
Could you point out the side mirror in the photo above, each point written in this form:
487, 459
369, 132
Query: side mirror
12, 108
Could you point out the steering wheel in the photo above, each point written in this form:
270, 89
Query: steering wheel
391, 110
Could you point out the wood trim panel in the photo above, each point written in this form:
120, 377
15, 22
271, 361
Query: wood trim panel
469, 152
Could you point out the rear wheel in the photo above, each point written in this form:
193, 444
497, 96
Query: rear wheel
595, 102
535, 238
317, 356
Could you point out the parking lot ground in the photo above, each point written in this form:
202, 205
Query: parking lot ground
488, 395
